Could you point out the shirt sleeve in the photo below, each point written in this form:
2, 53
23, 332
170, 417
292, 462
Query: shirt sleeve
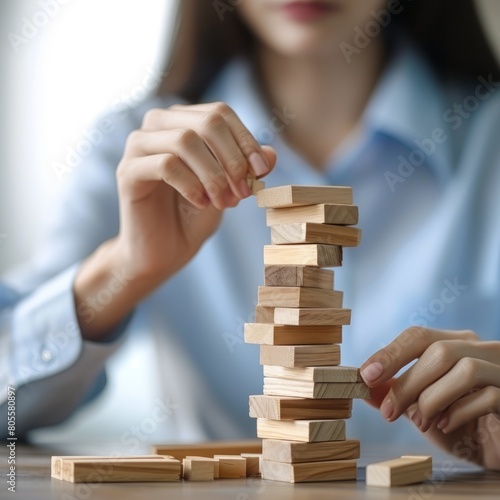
42, 353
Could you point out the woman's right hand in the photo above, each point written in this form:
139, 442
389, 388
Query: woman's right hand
179, 171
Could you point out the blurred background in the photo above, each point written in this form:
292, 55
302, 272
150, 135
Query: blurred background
63, 63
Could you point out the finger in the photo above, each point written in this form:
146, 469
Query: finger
466, 375
192, 150
246, 141
214, 130
407, 347
168, 168
435, 362
483, 402
377, 394
271, 156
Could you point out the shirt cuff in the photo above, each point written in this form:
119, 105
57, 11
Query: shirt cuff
45, 336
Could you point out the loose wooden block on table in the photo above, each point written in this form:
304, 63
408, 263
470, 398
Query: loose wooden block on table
291, 196
121, 470
198, 469
312, 316
291, 408
270, 334
264, 314
300, 355
338, 470
315, 373
213, 461
303, 255
56, 462
253, 463
310, 232
320, 390
400, 471
307, 431
292, 451
295, 296
231, 466
312, 277
340, 215
209, 448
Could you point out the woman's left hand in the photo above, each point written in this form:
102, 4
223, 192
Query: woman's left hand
451, 393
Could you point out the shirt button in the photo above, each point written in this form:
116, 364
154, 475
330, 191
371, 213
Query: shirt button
46, 355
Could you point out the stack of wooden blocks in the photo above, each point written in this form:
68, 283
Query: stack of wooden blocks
298, 324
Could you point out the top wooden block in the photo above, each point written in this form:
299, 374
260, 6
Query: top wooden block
294, 196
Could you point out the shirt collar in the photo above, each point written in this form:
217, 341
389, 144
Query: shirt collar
407, 104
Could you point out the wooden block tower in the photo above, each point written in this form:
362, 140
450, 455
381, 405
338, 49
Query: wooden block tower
298, 324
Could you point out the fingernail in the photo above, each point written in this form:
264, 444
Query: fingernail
387, 409
443, 423
372, 372
417, 419
259, 166
244, 189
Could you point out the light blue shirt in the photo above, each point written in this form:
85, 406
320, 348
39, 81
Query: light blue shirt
430, 255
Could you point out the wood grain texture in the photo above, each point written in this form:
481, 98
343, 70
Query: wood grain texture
290, 196
306, 431
295, 296
341, 215
315, 373
270, 334
121, 470
300, 355
287, 408
209, 448
312, 277
231, 466
293, 451
198, 469
312, 316
400, 471
264, 314
338, 470
310, 232
320, 390
253, 463
303, 255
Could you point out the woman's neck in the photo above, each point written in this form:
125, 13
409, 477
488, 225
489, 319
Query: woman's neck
322, 99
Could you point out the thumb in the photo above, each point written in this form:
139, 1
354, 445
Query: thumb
379, 393
271, 157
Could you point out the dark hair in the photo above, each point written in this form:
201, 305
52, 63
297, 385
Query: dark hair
209, 34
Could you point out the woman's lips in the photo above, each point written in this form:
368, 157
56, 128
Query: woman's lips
308, 11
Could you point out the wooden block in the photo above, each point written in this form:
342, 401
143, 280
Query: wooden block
255, 185
253, 463
198, 469
320, 390
214, 461
121, 470
209, 448
56, 462
312, 277
312, 316
300, 355
303, 255
231, 466
340, 215
306, 431
262, 333
338, 470
310, 232
400, 471
286, 408
315, 373
264, 314
291, 196
295, 296
292, 452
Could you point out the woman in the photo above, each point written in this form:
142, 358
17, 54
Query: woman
396, 100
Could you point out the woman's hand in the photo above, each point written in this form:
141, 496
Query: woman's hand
451, 393
179, 171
